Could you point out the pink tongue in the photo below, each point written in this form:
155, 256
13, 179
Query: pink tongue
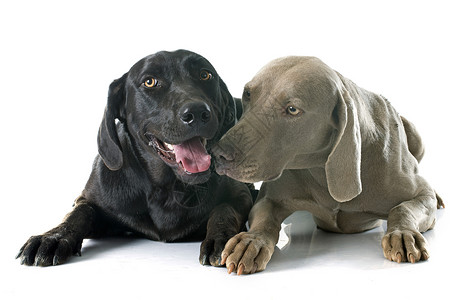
192, 155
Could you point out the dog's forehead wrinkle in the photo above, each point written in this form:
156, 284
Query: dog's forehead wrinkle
193, 64
315, 89
295, 76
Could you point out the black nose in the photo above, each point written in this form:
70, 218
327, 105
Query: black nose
195, 113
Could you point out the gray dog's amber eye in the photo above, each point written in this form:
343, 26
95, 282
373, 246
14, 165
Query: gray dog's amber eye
293, 110
205, 75
150, 82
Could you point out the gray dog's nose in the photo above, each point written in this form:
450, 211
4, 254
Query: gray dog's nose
194, 113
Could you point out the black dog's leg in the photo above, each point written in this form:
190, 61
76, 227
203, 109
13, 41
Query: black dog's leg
57, 245
225, 221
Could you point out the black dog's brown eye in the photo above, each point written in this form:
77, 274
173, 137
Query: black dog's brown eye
293, 110
205, 75
150, 82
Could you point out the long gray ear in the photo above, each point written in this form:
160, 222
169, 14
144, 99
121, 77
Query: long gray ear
343, 166
108, 141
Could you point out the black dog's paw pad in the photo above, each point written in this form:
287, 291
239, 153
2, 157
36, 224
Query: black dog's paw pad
215, 260
29, 250
47, 250
62, 253
204, 260
206, 248
211, 252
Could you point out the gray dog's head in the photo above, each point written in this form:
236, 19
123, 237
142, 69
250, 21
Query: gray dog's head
297, 114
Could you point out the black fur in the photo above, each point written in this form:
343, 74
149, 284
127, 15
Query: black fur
131, 188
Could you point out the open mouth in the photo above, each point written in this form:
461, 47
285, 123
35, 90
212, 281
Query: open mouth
190, 156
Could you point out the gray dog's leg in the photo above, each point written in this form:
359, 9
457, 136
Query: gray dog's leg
403, 240
250, 252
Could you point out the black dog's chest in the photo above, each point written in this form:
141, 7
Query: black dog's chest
178, 210
180, 196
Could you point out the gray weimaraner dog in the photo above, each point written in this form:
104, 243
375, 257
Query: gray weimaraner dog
321, 143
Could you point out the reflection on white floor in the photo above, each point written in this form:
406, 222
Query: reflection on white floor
306, 260
302, 244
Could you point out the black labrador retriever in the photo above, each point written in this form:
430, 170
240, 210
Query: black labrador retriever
154, 176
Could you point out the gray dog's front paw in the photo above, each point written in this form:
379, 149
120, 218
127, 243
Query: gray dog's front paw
405, 245
247, 253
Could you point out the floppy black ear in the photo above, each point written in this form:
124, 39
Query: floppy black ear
230, 113
108, 141
239, 108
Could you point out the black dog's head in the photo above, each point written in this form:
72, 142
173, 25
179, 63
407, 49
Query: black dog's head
175, 106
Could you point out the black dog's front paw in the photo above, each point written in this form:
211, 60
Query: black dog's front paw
211, 249
49, 249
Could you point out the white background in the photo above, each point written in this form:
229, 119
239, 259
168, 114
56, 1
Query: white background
57, 59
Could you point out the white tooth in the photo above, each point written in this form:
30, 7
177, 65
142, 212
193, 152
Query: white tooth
204, 142
169, 146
